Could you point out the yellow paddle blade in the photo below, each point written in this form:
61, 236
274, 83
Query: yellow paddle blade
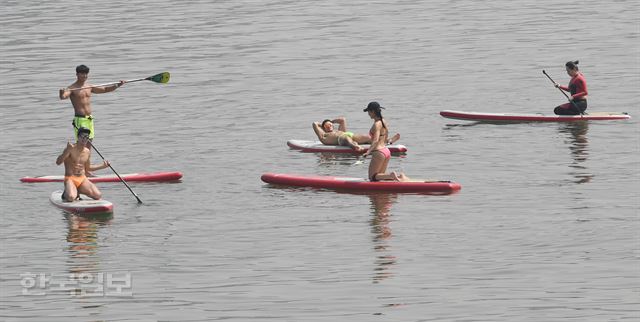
160, 78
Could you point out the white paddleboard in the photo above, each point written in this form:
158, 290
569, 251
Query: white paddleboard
317, 146
85, 205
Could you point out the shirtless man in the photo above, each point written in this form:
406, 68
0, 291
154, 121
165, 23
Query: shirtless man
81, 98
327, 135
76, 163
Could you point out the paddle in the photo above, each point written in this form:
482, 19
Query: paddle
114, 171
563, 93
162, 78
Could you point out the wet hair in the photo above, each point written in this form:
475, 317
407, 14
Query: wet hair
82, 69
572, 65
324, 122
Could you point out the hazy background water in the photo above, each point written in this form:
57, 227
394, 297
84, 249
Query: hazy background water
544, 229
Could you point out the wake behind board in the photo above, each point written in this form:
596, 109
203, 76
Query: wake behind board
517, 117
130, 177
84, 206
317, 146
361, 184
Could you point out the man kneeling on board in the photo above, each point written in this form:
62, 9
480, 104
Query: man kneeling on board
328, 136
76, 164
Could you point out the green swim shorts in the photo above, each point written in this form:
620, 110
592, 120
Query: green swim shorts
341, 138
83, 121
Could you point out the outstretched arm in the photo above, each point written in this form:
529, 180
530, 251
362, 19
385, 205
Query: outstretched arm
106, 89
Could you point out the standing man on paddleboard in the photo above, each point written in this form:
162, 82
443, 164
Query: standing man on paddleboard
80, 94
578, 89
76, 159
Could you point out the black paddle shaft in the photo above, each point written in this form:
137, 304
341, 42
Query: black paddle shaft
563, 93
114, 171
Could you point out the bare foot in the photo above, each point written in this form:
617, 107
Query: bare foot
394, 138
394, 176
402, 177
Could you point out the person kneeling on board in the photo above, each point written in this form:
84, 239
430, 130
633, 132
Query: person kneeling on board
76, 164
578, 89
380, 154
329, 136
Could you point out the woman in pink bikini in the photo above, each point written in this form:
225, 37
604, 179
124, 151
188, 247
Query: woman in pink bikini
379, 152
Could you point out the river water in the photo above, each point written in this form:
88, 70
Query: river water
545, 227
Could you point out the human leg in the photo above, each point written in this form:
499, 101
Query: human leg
90, 189
378, 166
366, 139
361, 138
70, 192
570, 108
348, 141
394, 138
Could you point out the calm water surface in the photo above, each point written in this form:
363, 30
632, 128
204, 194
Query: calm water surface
544, 229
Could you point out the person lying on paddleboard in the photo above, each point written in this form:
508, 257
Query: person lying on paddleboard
76, 159
578, 89
379, 152
329, 136
81, 98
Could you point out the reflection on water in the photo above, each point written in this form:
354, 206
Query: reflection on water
83, 244
381, 207
330, 159
579, 147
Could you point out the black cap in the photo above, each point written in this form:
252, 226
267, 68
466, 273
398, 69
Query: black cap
373, 106
84, 130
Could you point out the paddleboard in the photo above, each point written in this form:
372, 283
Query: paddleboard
516, 117
84, 206
317, 146
360, 184
129, 177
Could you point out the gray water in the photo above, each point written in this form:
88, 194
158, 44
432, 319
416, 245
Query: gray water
545, 227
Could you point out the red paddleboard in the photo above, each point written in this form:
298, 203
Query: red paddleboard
129, 177
84, 206
360, 184
516, 117
317, 146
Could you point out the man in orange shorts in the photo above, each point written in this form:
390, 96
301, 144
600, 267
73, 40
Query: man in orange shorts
76, 159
